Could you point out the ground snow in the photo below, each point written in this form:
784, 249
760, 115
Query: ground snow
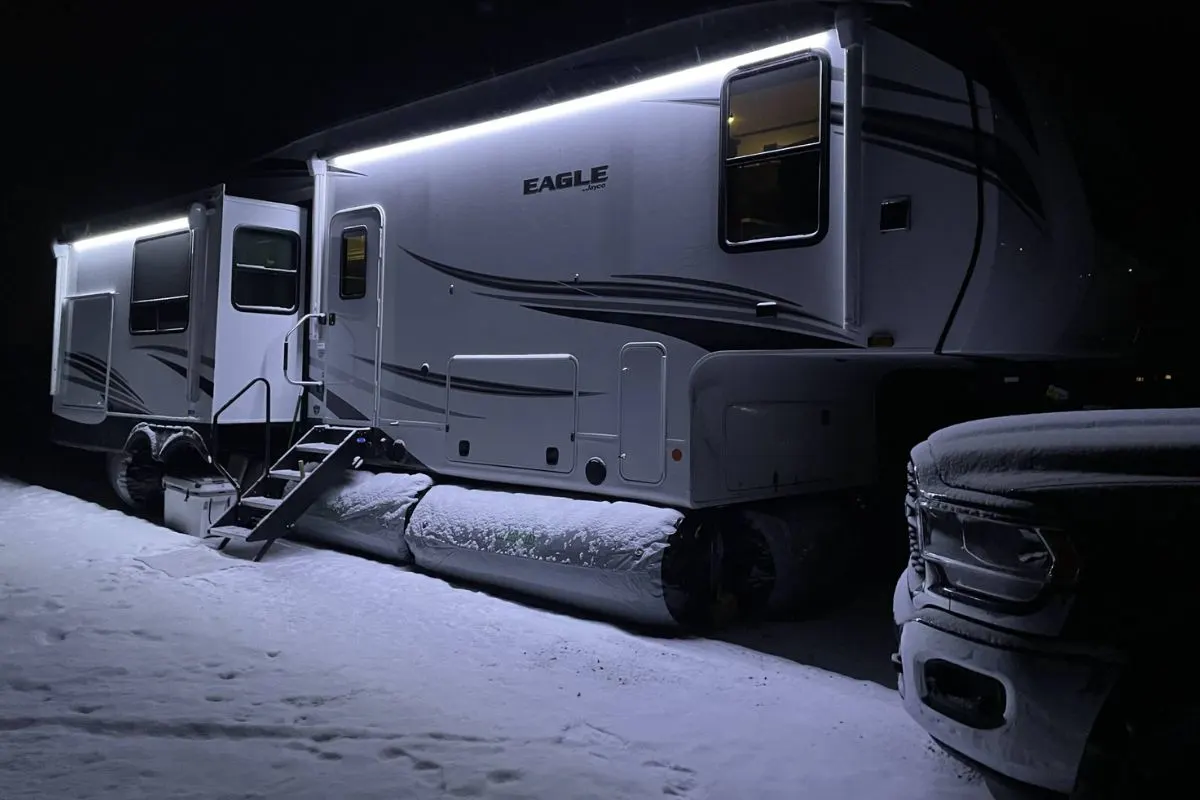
138, 663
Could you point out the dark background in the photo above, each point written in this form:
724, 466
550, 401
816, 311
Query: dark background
116, 105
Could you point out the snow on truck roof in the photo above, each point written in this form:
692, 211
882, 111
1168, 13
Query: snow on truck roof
1055, 454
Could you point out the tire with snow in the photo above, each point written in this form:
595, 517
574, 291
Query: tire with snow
137, 482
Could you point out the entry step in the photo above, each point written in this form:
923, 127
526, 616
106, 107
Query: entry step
315, 447
229, 532
265, 503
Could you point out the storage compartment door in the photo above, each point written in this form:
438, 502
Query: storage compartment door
643, 425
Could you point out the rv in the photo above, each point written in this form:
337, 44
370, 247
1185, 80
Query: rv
675, 270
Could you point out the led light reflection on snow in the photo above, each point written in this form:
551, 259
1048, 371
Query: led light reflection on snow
634, 91
129, 234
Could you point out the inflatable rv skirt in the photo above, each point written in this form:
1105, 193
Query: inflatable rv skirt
625, 561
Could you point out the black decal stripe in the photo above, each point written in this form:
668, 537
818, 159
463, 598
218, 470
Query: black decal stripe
958, 142
724, 287
117, 387
474, 385
396, 397
175, 351
887, 84
116, 403
964, 168
698, 293
778, 323
953, 146
341, 408
707, 334
84, 361
206, 384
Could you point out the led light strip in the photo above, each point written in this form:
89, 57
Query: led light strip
633, 91
129, 234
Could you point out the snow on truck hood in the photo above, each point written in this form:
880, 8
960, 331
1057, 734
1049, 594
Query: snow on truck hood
1014, 462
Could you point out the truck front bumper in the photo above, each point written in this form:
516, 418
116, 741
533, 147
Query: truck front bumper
1020, 706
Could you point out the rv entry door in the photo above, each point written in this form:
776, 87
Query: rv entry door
353, 287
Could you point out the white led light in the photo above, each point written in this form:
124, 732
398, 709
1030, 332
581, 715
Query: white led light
129, 234
633, 91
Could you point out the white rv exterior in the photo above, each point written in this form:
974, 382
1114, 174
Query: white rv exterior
682, 290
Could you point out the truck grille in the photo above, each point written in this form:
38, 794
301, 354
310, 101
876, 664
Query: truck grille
910, 519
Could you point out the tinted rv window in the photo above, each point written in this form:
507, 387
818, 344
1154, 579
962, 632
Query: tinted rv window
160, 290
774, 154
353, 283
266, 271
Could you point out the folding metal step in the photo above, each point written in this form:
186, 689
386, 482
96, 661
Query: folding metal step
229, 532
269, 508
264, 503
323, 448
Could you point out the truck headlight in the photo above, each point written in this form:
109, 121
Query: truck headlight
991, 558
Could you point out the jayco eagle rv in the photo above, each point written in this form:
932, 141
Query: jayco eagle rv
667, 276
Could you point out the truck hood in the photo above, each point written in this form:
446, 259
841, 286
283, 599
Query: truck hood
1095, 462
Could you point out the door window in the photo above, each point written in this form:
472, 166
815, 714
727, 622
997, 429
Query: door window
352, 283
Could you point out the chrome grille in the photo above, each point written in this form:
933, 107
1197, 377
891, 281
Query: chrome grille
910, 517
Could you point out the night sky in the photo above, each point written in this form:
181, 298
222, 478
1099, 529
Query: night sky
112, 105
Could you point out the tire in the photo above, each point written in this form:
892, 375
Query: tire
137, 482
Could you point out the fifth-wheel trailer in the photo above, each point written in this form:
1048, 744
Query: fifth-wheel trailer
681, 293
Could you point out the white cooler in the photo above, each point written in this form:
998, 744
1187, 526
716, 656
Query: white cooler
191, 505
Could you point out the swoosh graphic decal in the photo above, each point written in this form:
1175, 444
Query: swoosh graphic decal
341, 408
116, 401
396, 397
953, 146
707, 334
98, 366
175, 351
473, 385
756, 335
206, 384
707, 293
724, 287
92, 372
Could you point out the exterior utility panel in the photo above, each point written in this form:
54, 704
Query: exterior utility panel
673, 290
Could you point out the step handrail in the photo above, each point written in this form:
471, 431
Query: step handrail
287, 337
215, 453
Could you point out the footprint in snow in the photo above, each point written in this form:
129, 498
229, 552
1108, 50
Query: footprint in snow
51, 636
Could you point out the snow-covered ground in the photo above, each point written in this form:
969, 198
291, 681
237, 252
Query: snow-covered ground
138, 663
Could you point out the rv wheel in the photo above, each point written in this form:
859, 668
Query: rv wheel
136, 481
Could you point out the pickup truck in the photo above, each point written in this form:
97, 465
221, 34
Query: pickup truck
1051, 594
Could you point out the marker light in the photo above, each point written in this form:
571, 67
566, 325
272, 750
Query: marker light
129, 234
633, 91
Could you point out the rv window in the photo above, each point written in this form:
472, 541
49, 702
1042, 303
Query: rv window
774, 154
266, 271
353, 283
160, 287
